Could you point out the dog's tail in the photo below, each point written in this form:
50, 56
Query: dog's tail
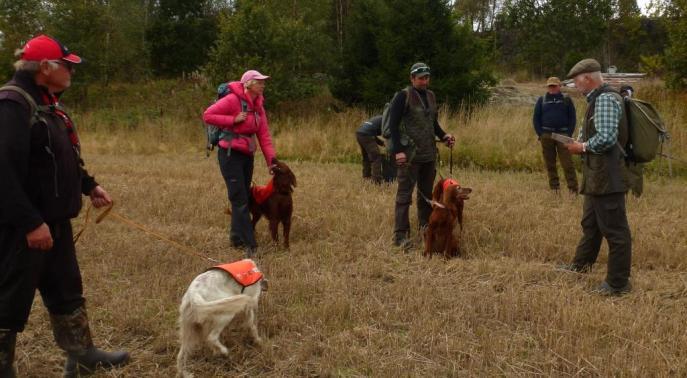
233, 304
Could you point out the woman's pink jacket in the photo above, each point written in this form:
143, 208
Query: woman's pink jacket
223, 112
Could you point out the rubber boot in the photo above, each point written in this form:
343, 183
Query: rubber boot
73, 335
8, 341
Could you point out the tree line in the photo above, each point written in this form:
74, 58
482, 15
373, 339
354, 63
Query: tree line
359, 49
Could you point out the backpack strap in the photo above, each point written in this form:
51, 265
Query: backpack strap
33, 107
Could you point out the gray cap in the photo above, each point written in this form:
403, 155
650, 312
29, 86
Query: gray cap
584, 66
419, 69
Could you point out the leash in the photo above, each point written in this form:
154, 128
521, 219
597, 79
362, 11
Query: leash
450, 164
671, 157
424, 197
108, 211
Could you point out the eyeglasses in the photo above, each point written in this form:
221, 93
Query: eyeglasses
67, 65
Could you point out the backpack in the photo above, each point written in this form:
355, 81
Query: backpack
213, 133
647, 131
386, 129
35, 109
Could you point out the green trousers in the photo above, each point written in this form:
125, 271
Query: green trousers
605, 217
551, 149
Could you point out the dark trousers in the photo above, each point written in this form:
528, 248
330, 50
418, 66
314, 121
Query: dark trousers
605, 217
410, 175
54, 273
551, 149
372, 158
237, 170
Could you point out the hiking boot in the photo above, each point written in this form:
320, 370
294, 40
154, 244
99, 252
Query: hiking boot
8, 341
236, 242
403, 242
608, 290
92, 359
572, 267
73, 335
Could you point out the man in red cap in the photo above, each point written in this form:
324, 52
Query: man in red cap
43, 179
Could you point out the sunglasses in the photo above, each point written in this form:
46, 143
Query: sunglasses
67, 65
420, 70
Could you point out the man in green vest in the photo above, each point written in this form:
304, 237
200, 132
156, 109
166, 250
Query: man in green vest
413, 125
604, 184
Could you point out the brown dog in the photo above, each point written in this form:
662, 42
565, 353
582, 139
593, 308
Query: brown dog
447, 211
275, 203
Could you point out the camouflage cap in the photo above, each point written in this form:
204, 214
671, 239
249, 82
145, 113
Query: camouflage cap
584, 66
419, 69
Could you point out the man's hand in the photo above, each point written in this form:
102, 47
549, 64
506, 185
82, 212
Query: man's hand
449, 139
401, 158
40, 238
575, 148
99, 197
240, 117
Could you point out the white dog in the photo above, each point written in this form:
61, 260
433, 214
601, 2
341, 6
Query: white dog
211, 302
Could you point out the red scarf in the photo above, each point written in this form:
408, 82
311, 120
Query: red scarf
54, 104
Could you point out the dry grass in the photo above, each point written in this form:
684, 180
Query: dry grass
343, 302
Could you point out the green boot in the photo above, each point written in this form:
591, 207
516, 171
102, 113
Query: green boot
8, 341
73, 335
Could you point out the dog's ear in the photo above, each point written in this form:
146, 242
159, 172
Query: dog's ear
438, 192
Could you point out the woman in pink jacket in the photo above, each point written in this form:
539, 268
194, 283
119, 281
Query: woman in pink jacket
241, 116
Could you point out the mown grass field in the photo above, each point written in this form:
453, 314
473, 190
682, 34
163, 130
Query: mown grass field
342, 300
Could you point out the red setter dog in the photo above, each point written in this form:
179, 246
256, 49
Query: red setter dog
274, 201
447, 211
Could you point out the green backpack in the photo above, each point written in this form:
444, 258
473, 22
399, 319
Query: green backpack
646, 130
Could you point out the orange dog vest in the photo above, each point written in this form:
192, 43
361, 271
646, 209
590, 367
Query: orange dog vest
262, 193
449, 182
243, 271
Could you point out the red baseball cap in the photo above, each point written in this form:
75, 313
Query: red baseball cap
44, 47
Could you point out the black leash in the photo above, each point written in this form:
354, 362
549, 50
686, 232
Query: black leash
450, 164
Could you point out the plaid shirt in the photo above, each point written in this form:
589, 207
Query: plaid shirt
607, 113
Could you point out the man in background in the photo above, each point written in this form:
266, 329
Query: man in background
414, 125
554, 112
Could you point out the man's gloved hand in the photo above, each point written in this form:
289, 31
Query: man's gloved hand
449, 139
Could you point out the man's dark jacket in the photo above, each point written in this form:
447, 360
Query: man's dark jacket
554, 113
42, 174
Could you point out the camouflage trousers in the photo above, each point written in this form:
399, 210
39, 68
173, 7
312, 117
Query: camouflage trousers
551, 149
